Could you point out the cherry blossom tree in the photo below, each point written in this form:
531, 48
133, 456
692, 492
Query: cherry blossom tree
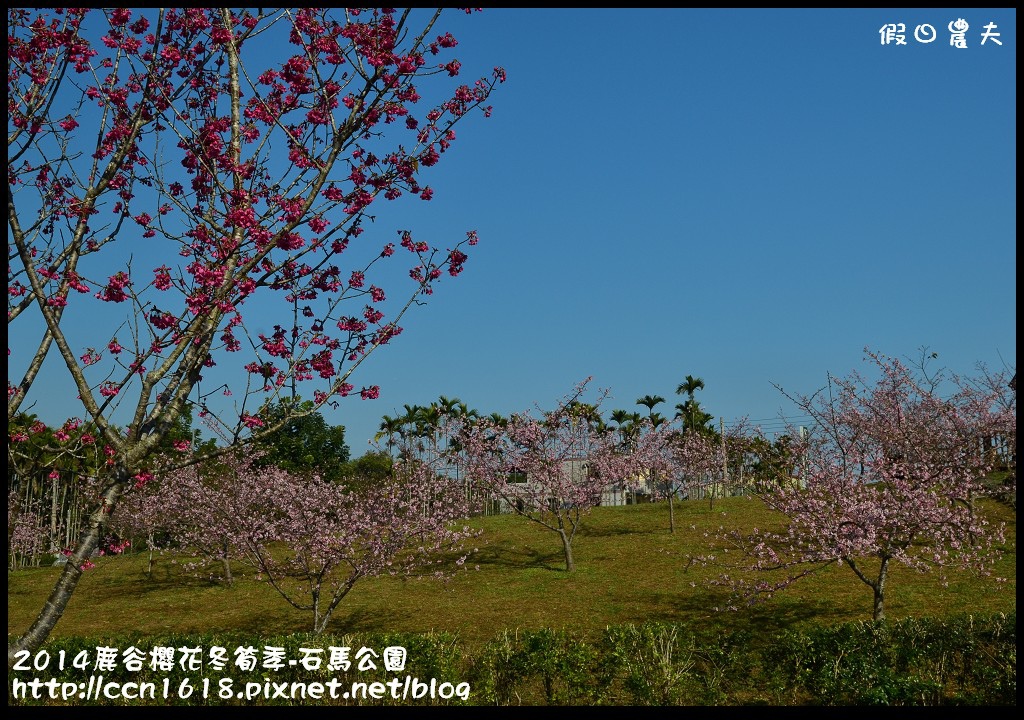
411, 523
550, 469
146, 517
191, 193
677, 460
890, 469
26, 532
187, 510
312, 540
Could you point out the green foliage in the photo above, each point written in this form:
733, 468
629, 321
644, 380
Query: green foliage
693, 415
38, 449
654, 662
371, 467
678, 664
695, 419
963, 660
305, 443
915, 661
553, 667
182, 429
774, 460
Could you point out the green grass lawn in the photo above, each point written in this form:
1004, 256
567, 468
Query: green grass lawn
630, 569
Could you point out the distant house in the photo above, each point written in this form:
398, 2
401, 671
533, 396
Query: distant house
615, 493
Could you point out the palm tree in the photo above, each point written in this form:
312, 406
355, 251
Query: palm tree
650, 401
428, 421
587, 414
689, 386
694, 417
447, 406
466, 419
468, 412
621, 419
412, 427
446, 412
389, 427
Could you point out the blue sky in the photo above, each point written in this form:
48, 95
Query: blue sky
747, 196
751, 197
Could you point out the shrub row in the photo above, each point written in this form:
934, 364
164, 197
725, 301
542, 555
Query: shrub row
965, 660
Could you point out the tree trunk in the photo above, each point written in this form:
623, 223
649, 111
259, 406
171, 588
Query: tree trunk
567, 548
671, 512
89, 540
54, 514
879, 588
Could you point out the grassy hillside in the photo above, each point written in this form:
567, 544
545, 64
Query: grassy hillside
630, 569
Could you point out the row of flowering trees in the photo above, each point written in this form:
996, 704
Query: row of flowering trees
312, 540
579, 460
890, 474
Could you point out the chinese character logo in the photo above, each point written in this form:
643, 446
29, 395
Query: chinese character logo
893, 32
925, 33
990, 34
958, 33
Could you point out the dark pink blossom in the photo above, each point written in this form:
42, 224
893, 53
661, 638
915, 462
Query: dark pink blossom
234, 186
370, 393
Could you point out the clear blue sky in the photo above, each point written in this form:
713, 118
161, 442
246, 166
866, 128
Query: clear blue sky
747, 196
751, 197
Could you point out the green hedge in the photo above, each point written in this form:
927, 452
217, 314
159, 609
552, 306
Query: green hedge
966, 660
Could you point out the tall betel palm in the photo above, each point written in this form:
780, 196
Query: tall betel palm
389, 427
448, 416
689, 386
649, 401
622, 420
588, 414
694, 417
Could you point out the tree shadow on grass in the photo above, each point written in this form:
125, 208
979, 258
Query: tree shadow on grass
503, 554
587, 531
764, 618
362, 620
174, 577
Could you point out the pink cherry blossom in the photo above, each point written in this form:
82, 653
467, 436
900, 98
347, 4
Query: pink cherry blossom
888, 475
551, 469
247, 202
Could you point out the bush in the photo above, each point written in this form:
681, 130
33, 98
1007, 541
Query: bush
965, 660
